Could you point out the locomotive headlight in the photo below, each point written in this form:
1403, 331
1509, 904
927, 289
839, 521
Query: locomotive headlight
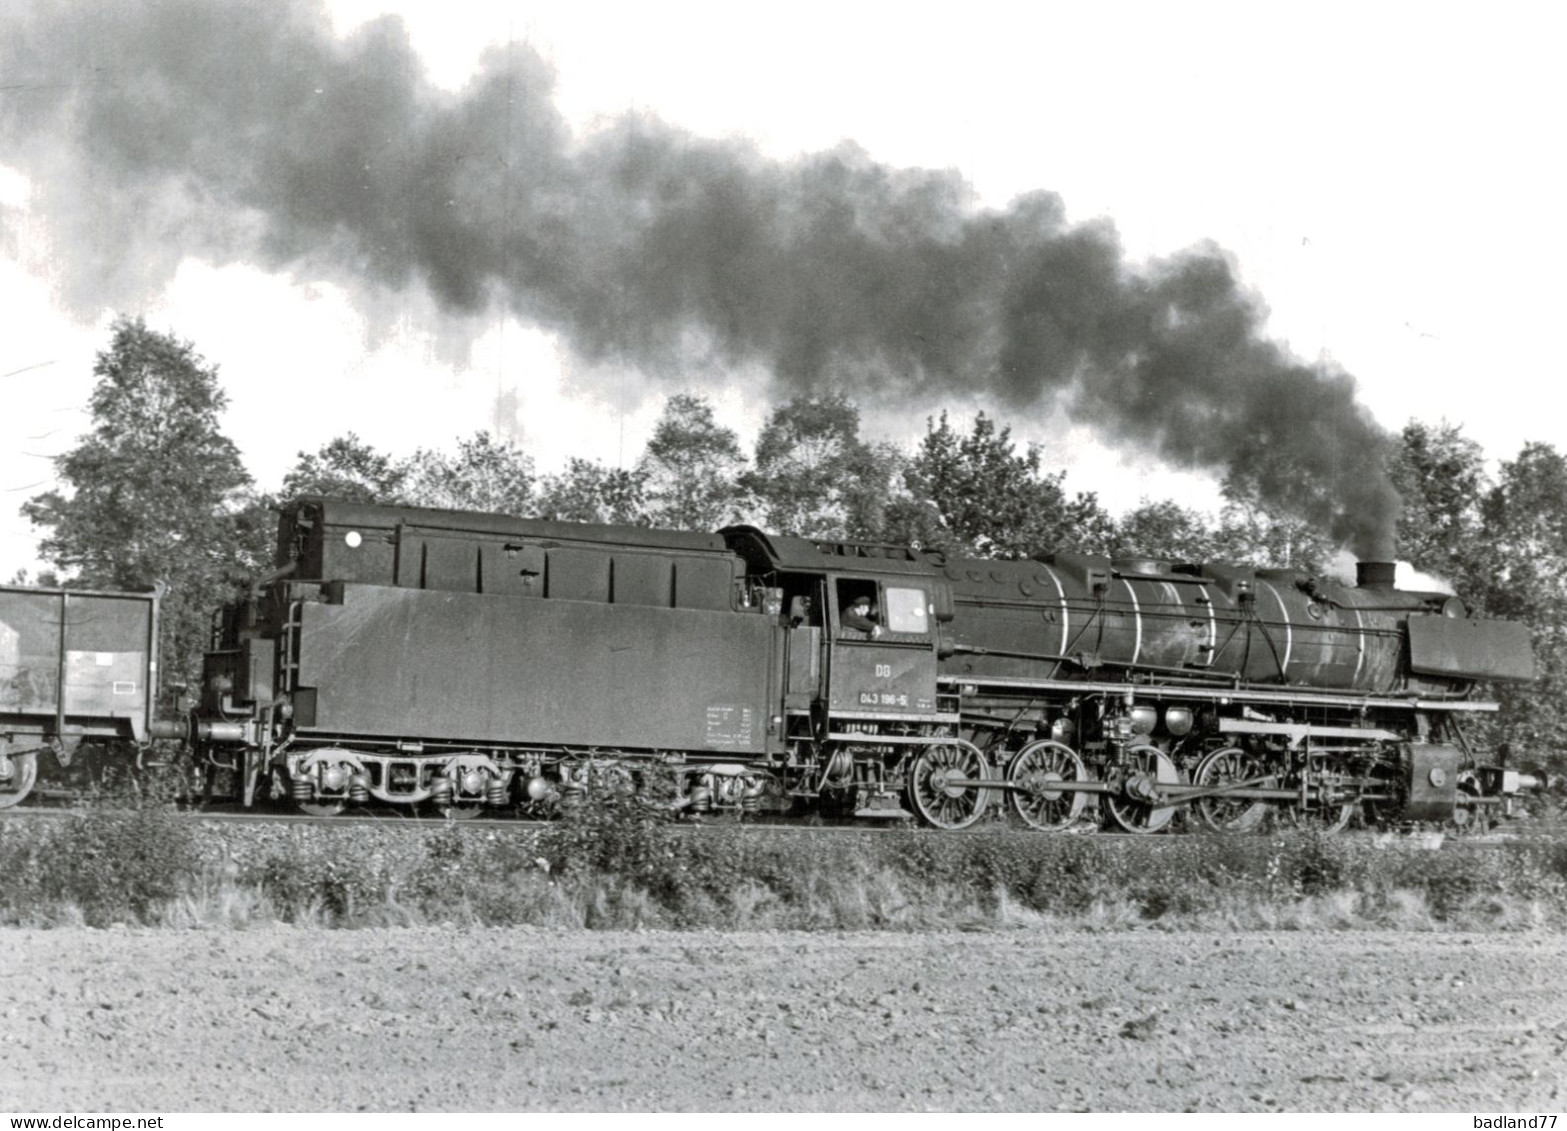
352, 539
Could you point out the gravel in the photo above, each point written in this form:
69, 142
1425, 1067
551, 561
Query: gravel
455, 1019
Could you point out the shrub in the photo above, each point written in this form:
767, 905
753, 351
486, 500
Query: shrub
619, 861
111, 866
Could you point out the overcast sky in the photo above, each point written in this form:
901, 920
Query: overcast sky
1387, 180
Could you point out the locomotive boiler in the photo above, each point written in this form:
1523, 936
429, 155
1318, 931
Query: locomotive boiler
469, 662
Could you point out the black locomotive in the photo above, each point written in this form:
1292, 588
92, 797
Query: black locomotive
472, 661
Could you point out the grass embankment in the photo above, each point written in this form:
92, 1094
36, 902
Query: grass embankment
607, 870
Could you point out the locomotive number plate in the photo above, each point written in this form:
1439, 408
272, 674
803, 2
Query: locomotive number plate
883, 699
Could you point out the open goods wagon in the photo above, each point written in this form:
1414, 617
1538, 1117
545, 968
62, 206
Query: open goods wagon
74, 665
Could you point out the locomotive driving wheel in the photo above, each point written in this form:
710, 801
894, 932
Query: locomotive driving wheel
940, 785
1329, 813
1230, 767
17, 775
1321, 818
1037, 767
1138, 808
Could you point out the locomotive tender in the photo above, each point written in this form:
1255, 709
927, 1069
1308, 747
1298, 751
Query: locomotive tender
474, 661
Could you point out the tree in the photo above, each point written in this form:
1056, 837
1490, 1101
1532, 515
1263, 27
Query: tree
587, 491
976, 494
485, 474
1165, 529
813, 475
1440, 474
155, 493
692, 467
348, 468
1525, 532
1256, 533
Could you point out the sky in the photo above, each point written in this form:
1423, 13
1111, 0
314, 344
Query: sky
1383, 183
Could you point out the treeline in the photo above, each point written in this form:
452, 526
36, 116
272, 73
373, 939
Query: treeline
156, 493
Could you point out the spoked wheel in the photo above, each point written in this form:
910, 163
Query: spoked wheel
1231, 766
1151, 767
18, 783
1377, 811
936, 788
1038, 766
1321, 818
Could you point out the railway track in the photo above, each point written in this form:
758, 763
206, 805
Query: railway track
415, 821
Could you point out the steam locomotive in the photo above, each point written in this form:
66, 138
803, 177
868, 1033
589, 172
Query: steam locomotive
472, 662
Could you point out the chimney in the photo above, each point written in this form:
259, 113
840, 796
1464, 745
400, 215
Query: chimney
1375, 575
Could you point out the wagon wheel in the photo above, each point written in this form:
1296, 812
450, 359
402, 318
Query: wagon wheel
1153, 766
24, 772
945, 805
1036, 766
1221, 768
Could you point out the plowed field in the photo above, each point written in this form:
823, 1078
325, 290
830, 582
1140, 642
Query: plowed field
146, 1021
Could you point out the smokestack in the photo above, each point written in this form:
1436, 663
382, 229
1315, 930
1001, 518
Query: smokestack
1375, 575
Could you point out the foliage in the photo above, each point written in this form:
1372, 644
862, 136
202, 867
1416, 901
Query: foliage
814, 477
1525, 535
587, 491
1165, 529
107, 866
485, 474
616, 826
348, 468
155, 493
1254, 532
1440, 474
976, 494
614, 863
692, 467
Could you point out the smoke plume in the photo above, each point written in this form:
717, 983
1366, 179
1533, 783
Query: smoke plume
249, 132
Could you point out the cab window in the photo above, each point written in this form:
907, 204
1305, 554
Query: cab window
907, 610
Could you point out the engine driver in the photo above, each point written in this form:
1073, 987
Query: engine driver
861, 615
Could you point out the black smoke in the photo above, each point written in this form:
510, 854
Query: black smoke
245, 131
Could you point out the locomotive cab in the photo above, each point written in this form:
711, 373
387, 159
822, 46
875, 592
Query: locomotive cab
882, 663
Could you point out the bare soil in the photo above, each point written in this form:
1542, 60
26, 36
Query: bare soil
140, 1021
